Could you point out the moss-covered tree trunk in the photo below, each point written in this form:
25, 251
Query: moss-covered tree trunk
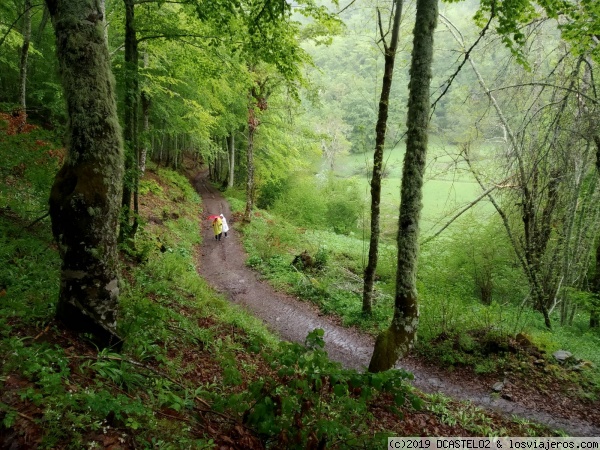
380, 129
86, 195
397, 340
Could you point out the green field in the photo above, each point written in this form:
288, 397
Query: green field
447, 189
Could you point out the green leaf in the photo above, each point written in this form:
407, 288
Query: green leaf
340, 390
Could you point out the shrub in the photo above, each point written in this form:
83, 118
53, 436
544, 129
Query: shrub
344, 204
309, 399
303, 204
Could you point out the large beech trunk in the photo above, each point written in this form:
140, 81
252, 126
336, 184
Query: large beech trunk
86, 195
397, 340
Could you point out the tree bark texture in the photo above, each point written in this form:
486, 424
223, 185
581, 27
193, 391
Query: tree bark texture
397, 340
380, 129
86, 194
24, 56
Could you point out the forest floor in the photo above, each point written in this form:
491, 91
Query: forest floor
27, 400
540, 398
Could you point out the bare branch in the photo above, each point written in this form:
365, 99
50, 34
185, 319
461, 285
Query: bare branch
465, 209
346, 7
38, 219
467, 53
540, 84
12, 25
381, 33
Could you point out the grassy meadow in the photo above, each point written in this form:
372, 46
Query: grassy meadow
448, 187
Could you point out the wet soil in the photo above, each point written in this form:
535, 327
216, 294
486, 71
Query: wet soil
222, 264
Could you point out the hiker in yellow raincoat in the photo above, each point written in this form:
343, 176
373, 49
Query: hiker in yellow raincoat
218, 228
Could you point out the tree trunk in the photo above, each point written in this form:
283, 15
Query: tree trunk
397, 340
252, 124
231, 142
595, 309
145, 98
85, 197
42, 26
390, 57
130, 118
22, 113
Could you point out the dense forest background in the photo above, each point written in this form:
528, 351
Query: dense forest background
279, 102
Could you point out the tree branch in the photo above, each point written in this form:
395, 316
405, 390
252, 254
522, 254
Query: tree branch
539, 84
461, 212
346, 7
38, 219
381, 33
467, 53
12, 25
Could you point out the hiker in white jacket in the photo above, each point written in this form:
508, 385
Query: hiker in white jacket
225, 226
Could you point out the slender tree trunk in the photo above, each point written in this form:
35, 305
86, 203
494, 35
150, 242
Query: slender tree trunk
380, 129
257, 102
595, 310
42, 26
250, 169
130, 117
231, 142
145, 99
23, 66
397, 340
85, 197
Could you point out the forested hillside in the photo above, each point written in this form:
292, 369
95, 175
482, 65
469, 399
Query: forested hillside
412, 170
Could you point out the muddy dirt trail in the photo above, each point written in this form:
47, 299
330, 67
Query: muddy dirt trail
222, 264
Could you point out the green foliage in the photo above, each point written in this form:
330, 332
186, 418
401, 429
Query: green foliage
27, 174
181, 190
254, 261
147, 186
303, 204
344, 204
311, 399
321, 257
336, 285
336, 204
105, 393
29, 277
456, 328
478, 260
269, 192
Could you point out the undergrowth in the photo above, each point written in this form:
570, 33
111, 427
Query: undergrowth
195, 372
455, 328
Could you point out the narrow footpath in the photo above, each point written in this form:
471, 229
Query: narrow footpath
222, 264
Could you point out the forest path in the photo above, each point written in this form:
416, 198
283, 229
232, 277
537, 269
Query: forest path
222, 264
